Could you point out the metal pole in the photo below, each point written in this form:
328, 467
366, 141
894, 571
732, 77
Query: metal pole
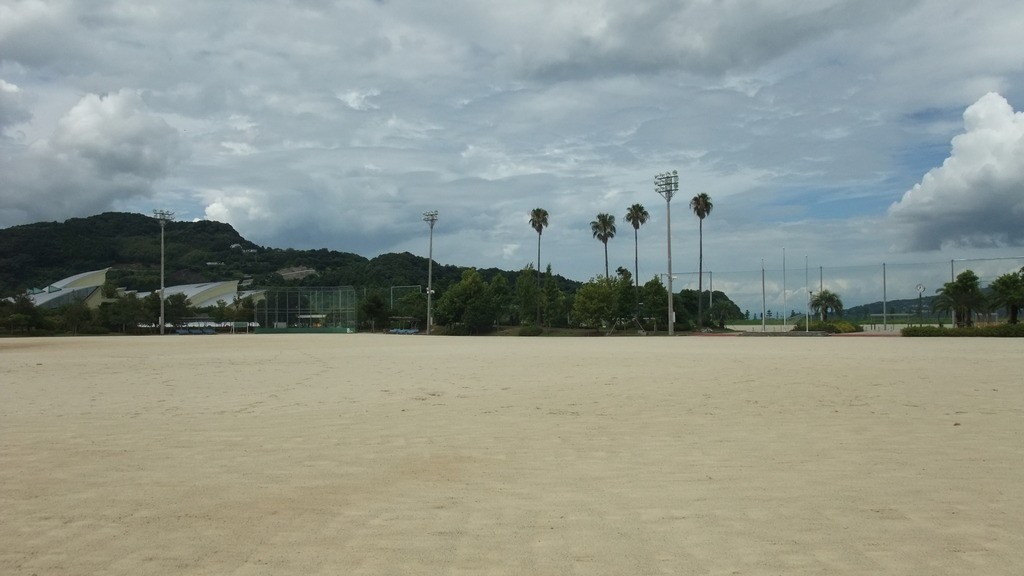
885, 317
785, 313
807, 301
952, 311
763, 309
162, 322
667, 184
431, 219
711, 289
671, 295
164, 216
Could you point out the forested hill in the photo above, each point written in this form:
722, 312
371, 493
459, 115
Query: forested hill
34, 255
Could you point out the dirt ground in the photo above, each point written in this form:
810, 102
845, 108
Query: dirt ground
384, 454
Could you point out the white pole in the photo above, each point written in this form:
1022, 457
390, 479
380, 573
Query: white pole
431, 219
763, 310
671, 296
162, 322
667, 184
164, 216
885, 318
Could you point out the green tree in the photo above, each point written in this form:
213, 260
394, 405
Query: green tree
552, 299
412, 307
637, 216
701, 205
1008, 292
244, 310
527, 293
501, 298
824, 301
722, 308
538, 221
75, 317
124, 314
151, 308
626, 306
719, 312
374, 309
466, 306
23, 316
221, 312
603, 228
962, 296
596, 303
177, 309
654, 301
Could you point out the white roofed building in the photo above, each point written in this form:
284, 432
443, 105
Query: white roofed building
87, 287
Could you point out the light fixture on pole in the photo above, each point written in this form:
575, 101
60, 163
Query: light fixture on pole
431, 219
667, 184
164, 216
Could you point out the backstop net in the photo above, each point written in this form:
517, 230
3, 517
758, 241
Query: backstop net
307, 309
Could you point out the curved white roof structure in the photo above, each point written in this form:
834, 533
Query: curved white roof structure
84, 286
87, 286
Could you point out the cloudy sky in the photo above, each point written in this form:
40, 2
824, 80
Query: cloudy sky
845, 133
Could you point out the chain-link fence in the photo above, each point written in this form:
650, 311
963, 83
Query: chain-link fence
307, 309
883, 293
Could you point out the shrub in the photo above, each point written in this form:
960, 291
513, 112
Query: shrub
994, 331
831, 326
530, 330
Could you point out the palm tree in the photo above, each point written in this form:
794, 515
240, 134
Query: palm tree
637, 215
1008, 292
604, 230
824, 301
538, 221
701, 206
962, 296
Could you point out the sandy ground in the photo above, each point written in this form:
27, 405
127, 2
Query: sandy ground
380, 454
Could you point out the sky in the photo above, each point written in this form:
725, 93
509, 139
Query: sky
839, 135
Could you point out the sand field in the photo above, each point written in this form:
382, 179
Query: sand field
382, 454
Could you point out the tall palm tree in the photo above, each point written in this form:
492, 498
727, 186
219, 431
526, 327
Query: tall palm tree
701, 206
604, 230
538, 221
637, 215
824, 301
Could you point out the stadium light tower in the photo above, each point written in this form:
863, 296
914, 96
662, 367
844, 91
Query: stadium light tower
431, 219
164, 216
667, 184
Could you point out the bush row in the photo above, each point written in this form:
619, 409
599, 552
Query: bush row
831, 326
993, 331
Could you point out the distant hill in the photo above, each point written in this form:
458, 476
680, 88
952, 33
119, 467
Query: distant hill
906, 306
33, 255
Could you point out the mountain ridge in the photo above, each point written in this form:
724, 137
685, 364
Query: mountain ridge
202, 251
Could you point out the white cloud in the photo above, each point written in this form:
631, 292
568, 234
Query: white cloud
976, 198
359, 100
118, 135
239, 148
12, 106
104, 151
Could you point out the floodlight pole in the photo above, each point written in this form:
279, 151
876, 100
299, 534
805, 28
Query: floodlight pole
431, 219
164, 216
667, 184
785, 305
